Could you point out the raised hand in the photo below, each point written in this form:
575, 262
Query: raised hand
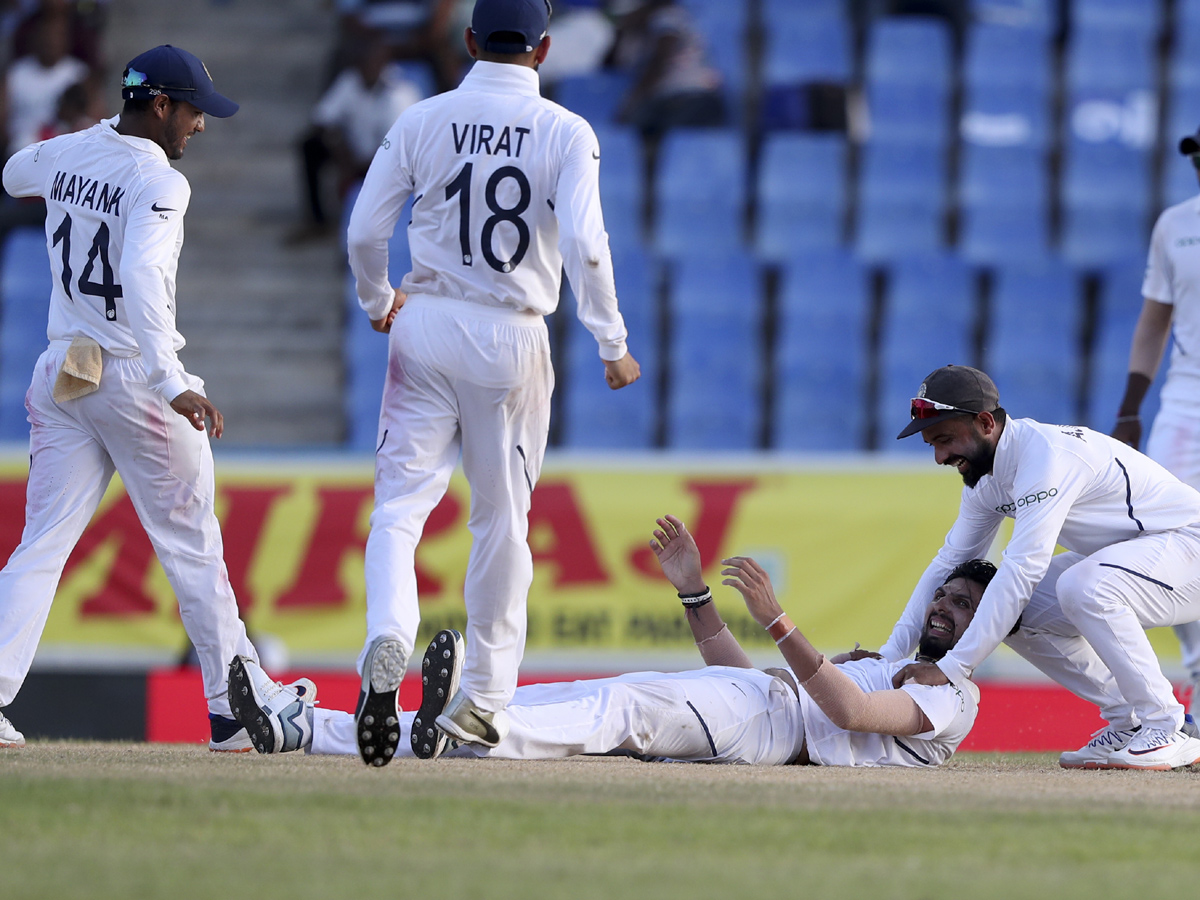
678, 555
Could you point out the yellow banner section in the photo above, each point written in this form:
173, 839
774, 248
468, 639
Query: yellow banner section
844, 546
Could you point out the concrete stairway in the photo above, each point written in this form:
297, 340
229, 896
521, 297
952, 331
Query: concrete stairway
263, 321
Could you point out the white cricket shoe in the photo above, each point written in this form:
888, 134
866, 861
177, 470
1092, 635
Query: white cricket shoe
1153, 748
276, 717
1095, 753
440, 672
377, 719
466, 723
9, 736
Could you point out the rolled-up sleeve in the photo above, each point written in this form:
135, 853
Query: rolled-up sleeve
150, 255
583, 243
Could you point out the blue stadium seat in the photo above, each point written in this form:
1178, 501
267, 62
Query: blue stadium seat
1003, 235
813, 12
1093, 238
909, 50
621, 186
801, 194
699, 192
821, 287
1143, 16
892, 230
1119, 305
1105, 176
596, 97
1109, 59
1002, 56
1031, 344
908, 114
800, 50
596, 417
714, 396
928, 321
1037, 17
1003, 176
1006, 116
25, 284
1183, 69
724, 26
889, 173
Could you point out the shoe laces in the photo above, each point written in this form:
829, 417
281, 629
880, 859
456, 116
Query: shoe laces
1155, 737
1110, 737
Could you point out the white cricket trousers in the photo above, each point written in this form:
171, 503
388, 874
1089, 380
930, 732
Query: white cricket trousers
1114, 594
462, 378
1174, 443
167, 469
717, 714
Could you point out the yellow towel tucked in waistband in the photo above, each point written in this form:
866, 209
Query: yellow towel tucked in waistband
80, 372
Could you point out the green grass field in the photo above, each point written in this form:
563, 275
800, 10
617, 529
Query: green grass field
133, 820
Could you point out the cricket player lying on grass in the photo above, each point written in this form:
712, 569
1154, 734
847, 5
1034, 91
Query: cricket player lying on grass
811, 712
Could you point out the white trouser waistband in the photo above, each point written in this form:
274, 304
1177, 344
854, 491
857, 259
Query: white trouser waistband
504, 314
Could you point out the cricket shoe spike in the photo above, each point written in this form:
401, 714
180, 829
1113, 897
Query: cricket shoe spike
277, 717
377, 719
440, 672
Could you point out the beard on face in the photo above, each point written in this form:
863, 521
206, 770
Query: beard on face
979, 462
932, 646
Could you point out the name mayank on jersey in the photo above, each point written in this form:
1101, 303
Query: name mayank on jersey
82, 191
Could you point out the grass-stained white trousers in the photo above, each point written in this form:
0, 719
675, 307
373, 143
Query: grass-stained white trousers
167, 469
471, 380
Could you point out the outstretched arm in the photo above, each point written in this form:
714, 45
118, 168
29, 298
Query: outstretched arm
679, 557
835, 693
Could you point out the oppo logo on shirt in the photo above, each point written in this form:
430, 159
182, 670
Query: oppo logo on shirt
1187, 241
1027, 500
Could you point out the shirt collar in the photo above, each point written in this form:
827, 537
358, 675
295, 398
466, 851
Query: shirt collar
1005, 456
491, 76
109, 126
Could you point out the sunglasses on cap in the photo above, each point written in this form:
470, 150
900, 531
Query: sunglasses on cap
930, 409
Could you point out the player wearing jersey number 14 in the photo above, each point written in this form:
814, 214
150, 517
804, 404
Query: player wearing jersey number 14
109, 393
505, 197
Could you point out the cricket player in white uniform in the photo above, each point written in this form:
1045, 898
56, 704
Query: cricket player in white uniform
1171, 301
505, 196
1134, 529
109, 393
811, 712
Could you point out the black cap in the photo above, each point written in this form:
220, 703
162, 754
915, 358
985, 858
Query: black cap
528, 18
962, 390
178, 74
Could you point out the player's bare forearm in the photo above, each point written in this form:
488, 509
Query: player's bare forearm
622, 372
751, 580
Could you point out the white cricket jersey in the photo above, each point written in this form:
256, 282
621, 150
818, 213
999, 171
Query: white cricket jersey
1173, 278
505, 196
950, 708
114, 227
1065, 485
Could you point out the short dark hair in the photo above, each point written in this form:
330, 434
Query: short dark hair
979, 571
137, 106
999, 414
506, 37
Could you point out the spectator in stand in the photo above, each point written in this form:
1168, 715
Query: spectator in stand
36, 81
674, 84
78, 108
349, 123
428, 30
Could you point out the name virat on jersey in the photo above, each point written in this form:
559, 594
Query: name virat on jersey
476, 138
88, 192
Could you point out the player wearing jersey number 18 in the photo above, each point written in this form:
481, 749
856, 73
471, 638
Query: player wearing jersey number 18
109, 393
505, 197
